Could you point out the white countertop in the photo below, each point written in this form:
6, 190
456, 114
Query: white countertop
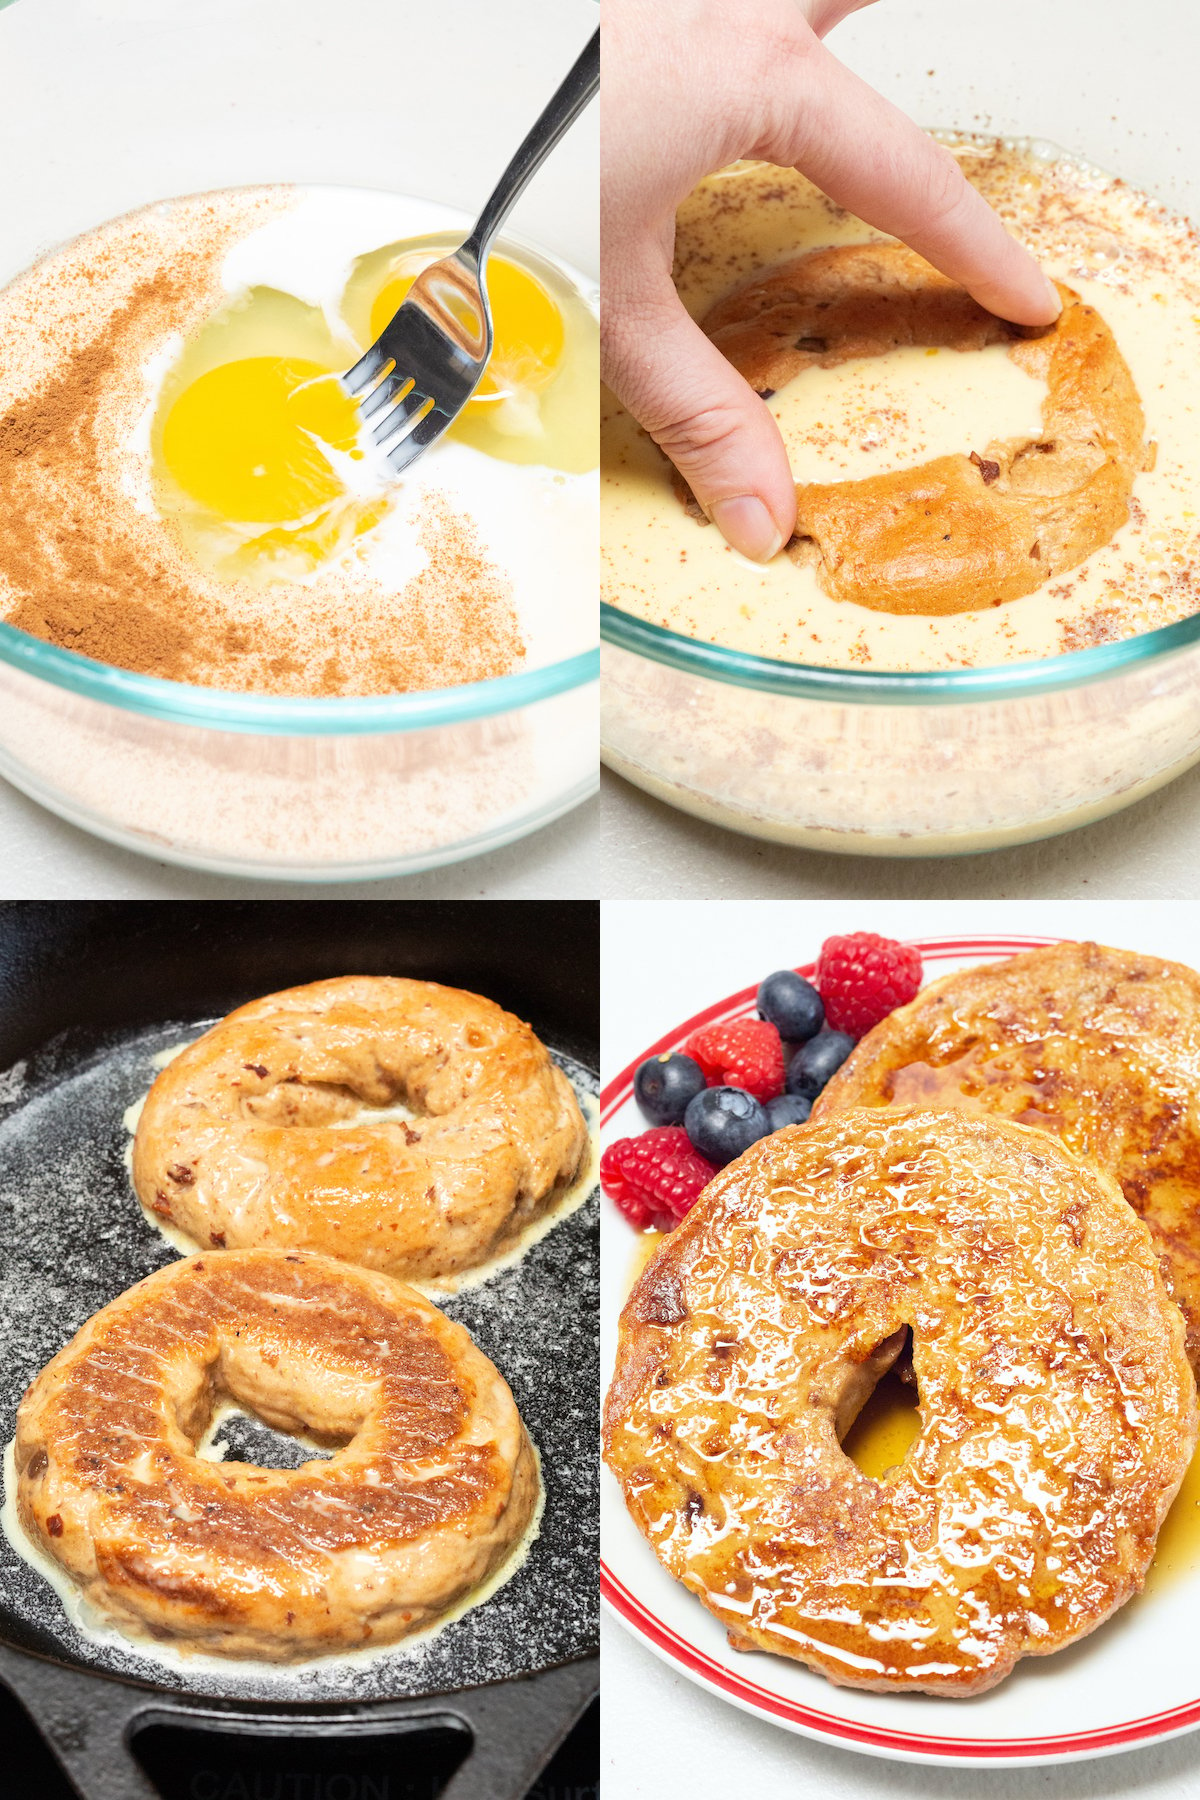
662, 1736
650, 851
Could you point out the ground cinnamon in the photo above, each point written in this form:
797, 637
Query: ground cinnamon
94, 592
85, 566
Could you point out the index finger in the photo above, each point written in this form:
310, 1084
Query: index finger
869, 157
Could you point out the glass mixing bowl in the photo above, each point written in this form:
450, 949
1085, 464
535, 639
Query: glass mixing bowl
306, 789
898, 764
112, 104
927, 764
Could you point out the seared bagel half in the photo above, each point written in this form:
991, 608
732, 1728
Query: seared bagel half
431, 1484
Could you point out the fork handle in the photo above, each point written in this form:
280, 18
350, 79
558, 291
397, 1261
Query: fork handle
560, 114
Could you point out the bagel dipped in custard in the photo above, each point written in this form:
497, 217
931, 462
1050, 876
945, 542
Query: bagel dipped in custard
431, 1484
959, 532
1057, 1407
270, 1130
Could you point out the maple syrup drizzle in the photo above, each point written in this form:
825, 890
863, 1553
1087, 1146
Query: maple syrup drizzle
647, 1244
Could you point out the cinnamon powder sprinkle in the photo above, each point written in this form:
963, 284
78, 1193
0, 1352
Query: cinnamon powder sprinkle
88, 564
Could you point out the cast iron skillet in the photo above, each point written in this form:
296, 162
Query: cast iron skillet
88, 993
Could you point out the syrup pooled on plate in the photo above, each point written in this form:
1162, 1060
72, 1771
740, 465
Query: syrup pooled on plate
647, 1244
886, 1428
1177, 1553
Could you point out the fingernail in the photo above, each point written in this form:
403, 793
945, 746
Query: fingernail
748, 526
1053, 295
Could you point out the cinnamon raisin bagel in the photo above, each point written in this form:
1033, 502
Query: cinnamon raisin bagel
261, 1132
1100, 1046
1058, 1411
959, 532
432, 1484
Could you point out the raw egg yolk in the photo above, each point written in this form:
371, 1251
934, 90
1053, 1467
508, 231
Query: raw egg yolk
527, 325
250, 440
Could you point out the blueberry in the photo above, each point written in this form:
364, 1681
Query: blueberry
663, 1086
787, 1109
815, 1062
792, 1005
723, 1121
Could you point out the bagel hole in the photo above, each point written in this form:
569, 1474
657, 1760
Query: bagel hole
243, 1408
236, 1434
889, 1421
332, 1104
873, 415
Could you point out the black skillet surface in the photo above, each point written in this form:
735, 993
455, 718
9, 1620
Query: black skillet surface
202, 1765
88, 993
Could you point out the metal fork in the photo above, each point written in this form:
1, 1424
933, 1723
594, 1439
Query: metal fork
427, 362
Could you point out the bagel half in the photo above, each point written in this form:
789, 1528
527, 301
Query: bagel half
431, 1484
1058, 1411
268, 1129
960, 532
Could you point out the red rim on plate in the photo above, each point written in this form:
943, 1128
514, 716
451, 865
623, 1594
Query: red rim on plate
747, 1694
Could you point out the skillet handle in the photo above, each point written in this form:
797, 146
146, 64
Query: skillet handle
517, 1726
89, 1722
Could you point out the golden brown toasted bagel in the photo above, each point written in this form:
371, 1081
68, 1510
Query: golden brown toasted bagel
1058, 1411
260, 1132
1099, 1046
959, 532
434, 1483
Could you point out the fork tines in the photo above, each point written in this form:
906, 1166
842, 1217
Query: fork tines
392, 399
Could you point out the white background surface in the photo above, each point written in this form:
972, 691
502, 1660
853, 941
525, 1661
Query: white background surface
662, 1736
44, 858
654, 850
1115, 81
144, 98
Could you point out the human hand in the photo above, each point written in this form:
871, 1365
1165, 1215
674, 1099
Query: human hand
692, 85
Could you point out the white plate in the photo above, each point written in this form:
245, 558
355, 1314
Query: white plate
1134, 1681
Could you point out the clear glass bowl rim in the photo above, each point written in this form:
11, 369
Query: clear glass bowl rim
1003, 681
180, 703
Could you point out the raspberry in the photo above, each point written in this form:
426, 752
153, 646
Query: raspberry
863, 977
745, 1053
654, 1178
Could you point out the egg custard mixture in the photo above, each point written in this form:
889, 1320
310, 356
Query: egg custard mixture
1136, 271
186, 490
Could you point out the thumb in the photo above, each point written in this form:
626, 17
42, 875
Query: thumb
705, 417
